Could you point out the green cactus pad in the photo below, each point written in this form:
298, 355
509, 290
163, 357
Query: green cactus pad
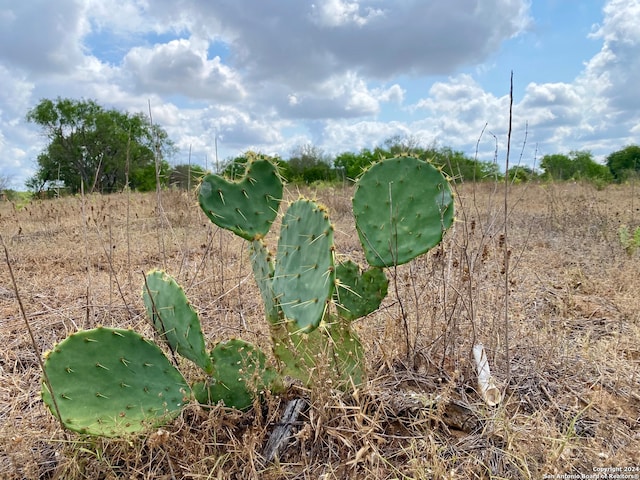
347, 354
402, 207
357, 294
248, 206
303, 278
174, 318
112, 382
335, 344
241, 374
262, 265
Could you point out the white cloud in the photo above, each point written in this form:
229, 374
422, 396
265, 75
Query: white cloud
41, 36
342, 96
338, 73
457, 110
336, 13
182, 67
395, 93
615, 70
299, 44
340, 135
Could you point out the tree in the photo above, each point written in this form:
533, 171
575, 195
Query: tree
403, 144
522, 173
308, 163
587, 168
460, 167
186, 176
557, 167
577, 165
102, 149
5, 181
624, 164
351, 164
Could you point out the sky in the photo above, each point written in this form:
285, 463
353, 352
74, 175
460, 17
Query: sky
342, 75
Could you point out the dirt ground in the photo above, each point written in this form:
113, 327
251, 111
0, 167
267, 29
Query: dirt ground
566, 354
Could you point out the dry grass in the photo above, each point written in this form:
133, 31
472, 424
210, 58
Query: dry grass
572, 396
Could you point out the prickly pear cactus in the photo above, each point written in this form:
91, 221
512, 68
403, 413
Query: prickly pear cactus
358, 294
303, 277
248, 206
112, 382
174, 318
402, 206
241, 375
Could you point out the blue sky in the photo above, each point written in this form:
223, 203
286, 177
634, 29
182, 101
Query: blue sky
340, 74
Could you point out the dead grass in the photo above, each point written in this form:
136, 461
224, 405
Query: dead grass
572, 400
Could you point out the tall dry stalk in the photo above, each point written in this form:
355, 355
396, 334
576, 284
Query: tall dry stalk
128, 209
160, 213
85, 236
506, 237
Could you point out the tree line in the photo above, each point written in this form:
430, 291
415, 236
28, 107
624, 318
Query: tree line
94, 149
308, 164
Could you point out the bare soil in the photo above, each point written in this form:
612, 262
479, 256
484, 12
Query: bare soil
566, 354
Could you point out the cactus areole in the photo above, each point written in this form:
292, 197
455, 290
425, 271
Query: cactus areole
402, 207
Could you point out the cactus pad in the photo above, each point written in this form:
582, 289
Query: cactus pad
303, 278
331, 351
357, 294
112, 382
262, 265
175, 319
347, 354
241, 374
248, 206
402, 207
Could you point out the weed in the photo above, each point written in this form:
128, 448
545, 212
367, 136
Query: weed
629, 238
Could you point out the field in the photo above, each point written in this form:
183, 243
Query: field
566, 355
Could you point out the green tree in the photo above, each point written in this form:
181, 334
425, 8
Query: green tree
460, 167
234, 168
577, 165
102, 149
557, 166
403, 144
522, 173
624, 164
186, 176
308, 163
351, 164
588, 169
454, 163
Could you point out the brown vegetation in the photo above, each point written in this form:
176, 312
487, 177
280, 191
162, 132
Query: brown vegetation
571, 393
